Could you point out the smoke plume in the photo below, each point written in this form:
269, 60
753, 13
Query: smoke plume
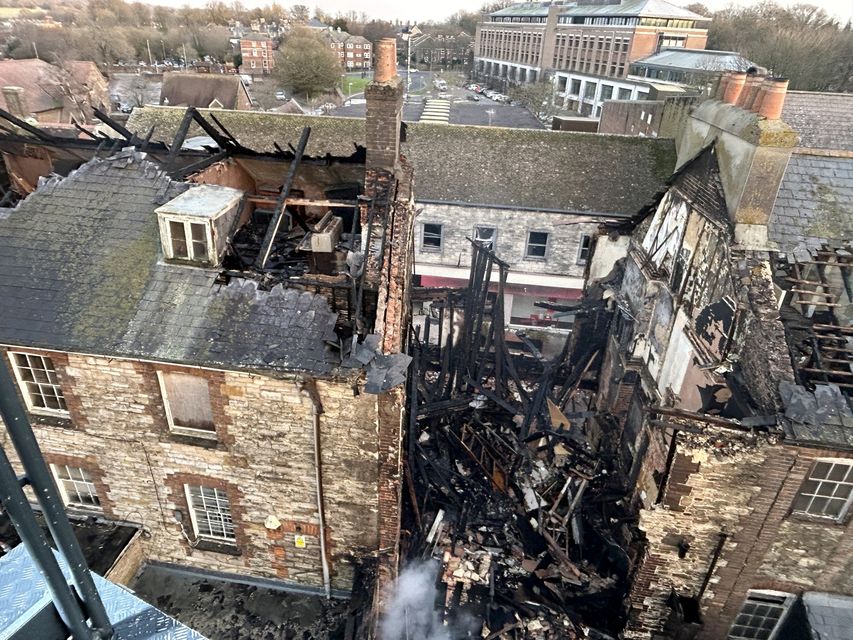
410, 613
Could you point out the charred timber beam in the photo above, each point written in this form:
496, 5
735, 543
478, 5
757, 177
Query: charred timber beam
198, 166
26, 126
178, 140
275, 223
698, 417
307, 202
115, 125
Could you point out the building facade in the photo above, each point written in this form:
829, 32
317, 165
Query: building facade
353, 52
257, 54
585, 48
725, 381
177, 392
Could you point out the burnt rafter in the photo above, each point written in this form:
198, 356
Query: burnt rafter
498, 461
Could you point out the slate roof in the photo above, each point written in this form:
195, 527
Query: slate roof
39, 79
201, 89
696, 60
821, 120
822, 416
814, 202
81, 270
830, 616
525, 168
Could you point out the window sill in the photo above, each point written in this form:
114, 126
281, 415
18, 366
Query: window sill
217, 546
196, 439
51, 420
812, 519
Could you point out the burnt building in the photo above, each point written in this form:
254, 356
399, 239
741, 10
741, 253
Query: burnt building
725, 389
211, 345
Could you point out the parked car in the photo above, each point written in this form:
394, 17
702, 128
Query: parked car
473, 97
279, 95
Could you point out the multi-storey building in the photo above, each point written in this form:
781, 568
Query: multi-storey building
169, 387
353, 52
257, 52
725, 384
586, 47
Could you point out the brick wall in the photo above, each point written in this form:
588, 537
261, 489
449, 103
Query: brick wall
263, 458
743, 486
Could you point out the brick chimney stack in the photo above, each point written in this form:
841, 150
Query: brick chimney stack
384, 96
16, 102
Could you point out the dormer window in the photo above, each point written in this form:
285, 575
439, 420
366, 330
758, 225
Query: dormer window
194, 226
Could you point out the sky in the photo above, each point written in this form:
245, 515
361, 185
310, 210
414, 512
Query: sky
408, 11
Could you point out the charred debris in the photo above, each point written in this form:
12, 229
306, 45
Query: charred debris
503, 488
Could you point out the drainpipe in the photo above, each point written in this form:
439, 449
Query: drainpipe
309, 390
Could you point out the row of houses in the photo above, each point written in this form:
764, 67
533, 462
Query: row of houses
234, 399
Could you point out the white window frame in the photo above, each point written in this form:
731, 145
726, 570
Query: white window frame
774, 599
584, 258
847, 481
432, 248
527, 245
492, 242
187, 222
25, 392
87, 484
194, 516
176, 428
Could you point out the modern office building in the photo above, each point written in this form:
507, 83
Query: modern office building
586, 48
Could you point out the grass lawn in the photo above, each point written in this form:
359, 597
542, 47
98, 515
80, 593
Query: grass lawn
351, 85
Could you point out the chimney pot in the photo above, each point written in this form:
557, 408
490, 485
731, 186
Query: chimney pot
734, 87
750, 88
720, 91
386, 60
774, 99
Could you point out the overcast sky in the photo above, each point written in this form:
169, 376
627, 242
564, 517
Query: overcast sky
406, 10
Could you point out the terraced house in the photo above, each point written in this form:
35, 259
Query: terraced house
187, 346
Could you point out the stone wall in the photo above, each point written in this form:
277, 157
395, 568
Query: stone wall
458, 223
742, 486
263, 458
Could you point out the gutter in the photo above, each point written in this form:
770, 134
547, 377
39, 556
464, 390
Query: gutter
309, 389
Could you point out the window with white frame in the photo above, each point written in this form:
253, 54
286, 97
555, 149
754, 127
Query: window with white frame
39, 383
583, 249
827, 491
186, 399
761, 616
188, 240
210, 513
537, 244
431, 240
76, 486
486, 236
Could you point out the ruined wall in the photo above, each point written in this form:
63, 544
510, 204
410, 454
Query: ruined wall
458, 223
742, 486
263, 458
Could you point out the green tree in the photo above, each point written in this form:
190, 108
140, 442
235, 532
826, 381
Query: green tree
306, 65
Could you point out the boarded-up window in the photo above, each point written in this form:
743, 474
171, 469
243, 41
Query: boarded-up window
187, 401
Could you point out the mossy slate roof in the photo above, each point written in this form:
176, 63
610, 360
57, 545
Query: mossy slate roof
524, 168
814, 203
81, 270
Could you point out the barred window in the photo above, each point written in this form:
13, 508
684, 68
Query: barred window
39, 383
827, 490
76, 486
210, 512
583, 249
